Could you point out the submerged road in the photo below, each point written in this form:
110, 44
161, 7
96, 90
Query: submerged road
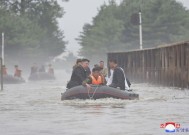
35, 108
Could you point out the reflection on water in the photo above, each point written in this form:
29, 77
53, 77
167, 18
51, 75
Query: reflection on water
35, 108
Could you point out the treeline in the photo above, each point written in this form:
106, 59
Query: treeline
31, 29
164, 21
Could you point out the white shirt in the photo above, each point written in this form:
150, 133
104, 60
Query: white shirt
126, 84
110, 79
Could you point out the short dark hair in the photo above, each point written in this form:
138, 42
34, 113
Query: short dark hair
85, 60
102, 61
78, 60
95, 69
96, 65
113, 60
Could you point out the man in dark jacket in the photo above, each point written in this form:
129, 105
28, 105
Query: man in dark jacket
119, 79
88, 71
79, 74
78, 62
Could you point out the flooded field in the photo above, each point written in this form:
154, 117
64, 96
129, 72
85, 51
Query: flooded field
35, 108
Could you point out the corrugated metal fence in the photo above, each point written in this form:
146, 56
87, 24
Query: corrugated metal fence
168, 65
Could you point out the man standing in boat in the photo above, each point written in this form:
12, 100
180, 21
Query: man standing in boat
78, 62
17, 72
118, 80
104, 71
42, 69
34, 69
79, 74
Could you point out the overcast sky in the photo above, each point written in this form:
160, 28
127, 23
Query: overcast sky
79, 12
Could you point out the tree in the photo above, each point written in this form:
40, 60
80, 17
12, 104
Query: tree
31, 28
164, 21
104, 32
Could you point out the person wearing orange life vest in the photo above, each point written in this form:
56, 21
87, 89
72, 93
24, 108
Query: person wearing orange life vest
4, 70
17, 72
95, 78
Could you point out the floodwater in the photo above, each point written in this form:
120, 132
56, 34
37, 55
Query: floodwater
35, 108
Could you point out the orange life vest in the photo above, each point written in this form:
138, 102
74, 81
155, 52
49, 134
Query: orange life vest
96, 81
4, 71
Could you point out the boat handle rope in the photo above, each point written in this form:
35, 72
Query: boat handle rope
91, 97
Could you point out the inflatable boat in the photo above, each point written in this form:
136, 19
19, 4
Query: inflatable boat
9, 79
41, 76
97, 92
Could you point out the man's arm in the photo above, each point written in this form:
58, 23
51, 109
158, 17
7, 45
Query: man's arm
87, 81
105, 72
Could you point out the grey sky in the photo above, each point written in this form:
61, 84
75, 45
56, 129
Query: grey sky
79, 12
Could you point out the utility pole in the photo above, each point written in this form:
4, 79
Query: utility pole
140, 29
1, 64
2, 60
3, 46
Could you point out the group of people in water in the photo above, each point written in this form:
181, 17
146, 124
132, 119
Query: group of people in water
82, 75
17, 72
34, 70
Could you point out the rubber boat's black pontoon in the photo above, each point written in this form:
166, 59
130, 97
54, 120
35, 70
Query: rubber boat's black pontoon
97, 92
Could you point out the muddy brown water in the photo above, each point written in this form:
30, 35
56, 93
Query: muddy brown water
35, 108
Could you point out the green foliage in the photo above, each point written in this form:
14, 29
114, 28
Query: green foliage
31, 29
105, 31
164, 21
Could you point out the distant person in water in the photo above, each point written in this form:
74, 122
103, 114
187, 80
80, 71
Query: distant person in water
42, 68
79, 74
119, 79
50, 70
34, 69
95, 78
18, 72
78, 63
4, 70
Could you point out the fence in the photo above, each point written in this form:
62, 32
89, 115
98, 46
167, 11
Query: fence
167, 65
